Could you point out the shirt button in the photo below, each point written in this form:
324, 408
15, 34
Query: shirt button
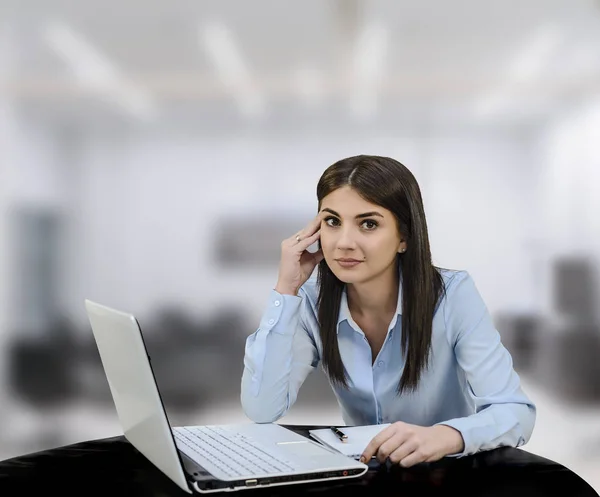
271, 321
380, 363
277, 303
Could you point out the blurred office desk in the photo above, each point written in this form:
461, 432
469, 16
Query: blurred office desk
113, 467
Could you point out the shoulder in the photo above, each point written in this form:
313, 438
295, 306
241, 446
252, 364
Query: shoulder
463, 307
460, 291
452, 278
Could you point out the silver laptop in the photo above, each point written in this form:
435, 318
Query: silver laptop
209, 458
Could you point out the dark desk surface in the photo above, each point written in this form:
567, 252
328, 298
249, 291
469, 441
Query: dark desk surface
113, 467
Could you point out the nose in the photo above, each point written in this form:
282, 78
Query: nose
346, 240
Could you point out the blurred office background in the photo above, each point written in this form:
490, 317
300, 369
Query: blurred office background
154, 154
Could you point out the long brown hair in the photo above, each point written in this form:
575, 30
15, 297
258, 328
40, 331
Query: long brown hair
389, 184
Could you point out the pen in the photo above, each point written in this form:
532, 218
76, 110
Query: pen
341, 435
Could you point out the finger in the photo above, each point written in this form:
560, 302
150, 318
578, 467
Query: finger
413, 458
312, 227
402, 451
312, 257
389, 446
304, 243
309, 230
318, 256
376, 442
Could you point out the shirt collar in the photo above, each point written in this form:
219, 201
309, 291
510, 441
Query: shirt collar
345, 315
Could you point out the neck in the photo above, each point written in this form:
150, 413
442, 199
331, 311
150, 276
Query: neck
375, 297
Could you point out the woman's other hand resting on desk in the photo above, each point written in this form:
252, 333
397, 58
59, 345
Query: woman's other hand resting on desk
407, 444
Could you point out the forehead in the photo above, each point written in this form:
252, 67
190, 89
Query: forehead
347, 202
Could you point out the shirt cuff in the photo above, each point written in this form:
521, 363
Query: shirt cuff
276, 319
280, 308
462, 426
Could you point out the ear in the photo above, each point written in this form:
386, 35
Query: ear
402, 247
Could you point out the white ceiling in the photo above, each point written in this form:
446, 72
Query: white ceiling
300, 57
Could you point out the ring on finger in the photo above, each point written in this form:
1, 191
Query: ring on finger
298, 239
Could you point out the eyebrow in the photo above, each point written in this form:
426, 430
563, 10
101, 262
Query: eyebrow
358, 216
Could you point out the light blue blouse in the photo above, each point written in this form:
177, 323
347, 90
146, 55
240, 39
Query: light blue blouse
470, 384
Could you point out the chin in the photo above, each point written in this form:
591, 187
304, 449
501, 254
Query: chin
350, 280
348, 277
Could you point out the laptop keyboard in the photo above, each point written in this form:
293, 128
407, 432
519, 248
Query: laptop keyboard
230, 452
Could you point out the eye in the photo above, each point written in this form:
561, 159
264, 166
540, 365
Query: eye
370, 224
331, 221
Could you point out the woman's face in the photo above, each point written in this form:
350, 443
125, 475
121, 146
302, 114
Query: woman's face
359, 239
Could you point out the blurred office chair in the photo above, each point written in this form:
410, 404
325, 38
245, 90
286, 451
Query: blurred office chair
520, 334
196, 363
41, 366
569, 358
41, 378
569, 361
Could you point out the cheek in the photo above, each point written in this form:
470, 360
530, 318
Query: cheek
382, 246
327, 242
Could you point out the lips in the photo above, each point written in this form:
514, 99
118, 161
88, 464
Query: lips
348, 263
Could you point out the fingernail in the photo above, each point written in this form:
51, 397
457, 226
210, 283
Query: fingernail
363, 459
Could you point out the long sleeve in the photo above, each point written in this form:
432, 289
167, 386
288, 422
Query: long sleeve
279, 356
504, 416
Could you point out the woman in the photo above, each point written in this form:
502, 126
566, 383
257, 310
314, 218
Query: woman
402, 341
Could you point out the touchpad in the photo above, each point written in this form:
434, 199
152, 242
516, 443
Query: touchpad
304, 449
